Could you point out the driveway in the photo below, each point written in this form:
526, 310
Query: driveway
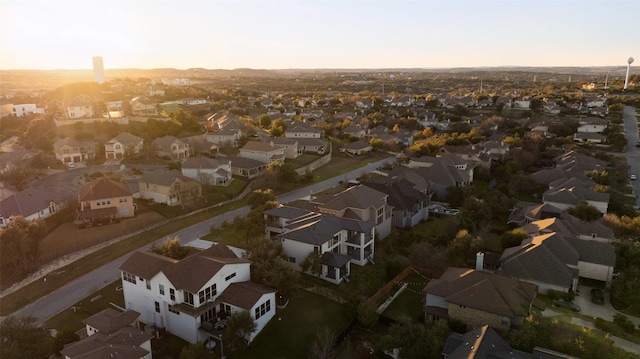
583, 299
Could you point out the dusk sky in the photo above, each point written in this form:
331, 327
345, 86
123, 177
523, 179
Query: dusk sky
270, 34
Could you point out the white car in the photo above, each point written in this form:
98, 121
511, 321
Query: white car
633, 177
71, 164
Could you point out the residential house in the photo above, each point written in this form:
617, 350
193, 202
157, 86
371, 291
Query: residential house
337, 241
80, 107
552, 261
20, 110
592, 125
208, 171
123, 143
443, 171
358, 202
228, 129
410, 206
169, 187
355, 131
247, 167
265, 152
480, 343
172, 148
589, 137
565, 224
564, 194
144, 106
14, 158
276, 219
105, 199
110, 334
69, 150
290, 145
478, 298
299, 129
32, 204
193, 298
522, 104
356, 148
314, 145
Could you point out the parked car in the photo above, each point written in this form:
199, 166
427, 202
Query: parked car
566, 304
633, 177
597, 296
71, 164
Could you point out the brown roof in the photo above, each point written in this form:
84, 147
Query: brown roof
103, 188
261, 146
244, 294
484, 291
123, 344
146, 264
109, 321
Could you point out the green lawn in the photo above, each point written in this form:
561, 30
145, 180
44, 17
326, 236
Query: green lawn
72, 319
292, 331
409, 302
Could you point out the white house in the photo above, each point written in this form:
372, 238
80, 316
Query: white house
338, 242
266, 152
117, 146
208, 171
32, 204
192, 298
80, 107
22, 110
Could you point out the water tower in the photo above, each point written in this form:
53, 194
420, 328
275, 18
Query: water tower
626, 79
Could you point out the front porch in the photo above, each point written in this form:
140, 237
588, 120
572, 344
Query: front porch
335, 267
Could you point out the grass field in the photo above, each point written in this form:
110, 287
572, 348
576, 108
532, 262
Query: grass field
409, 302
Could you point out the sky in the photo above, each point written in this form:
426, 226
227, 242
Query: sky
308, 34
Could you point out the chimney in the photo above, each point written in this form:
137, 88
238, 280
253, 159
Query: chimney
479, 261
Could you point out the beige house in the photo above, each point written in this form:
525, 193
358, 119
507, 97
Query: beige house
143, 106
266, 152
105, 199
119, 145
79, 107
169, 187
172, 147
69, 150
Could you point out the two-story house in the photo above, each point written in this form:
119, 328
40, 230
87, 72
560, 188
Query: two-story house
337, 241
192, 298
169, 187
265, 152
123, 143
172, 147
143, 106
80, 107
105, 199
69, 150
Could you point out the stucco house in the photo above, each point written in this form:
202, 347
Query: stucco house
69, 150
172, 147
32, 204
144, 106
192, 298
124, 142
246, 167
105, 199
299, 129
208, 171
169, 187
79, 107
479, 298
338, 242
356, 148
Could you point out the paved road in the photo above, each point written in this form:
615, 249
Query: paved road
632, 152
63, 297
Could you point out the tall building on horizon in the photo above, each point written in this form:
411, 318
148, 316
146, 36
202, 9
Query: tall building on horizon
98, 70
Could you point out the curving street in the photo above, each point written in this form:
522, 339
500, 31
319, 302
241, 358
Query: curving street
67, 295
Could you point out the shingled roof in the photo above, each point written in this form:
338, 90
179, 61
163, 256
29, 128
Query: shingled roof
244, 294
103, 188
109, 321
28, 202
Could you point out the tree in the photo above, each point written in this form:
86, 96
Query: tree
424, 255
19, 243
264, 121
171, 248
194, 351
416, 340
240, 326
322, 347
62, 338
22, 337
269, 266
259, 197
585, 212
312, 264
367, 314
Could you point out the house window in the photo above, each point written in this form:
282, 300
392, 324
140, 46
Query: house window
226, 308
148, 284
129, 277
161, 287
292, 259
207, 293
263, 309
157, 307
173, 310
172, 294
188, 298
208, 316
230, 276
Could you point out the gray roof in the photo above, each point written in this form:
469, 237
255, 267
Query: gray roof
480, 343
202, 162
126, 138
245, 163
316, 228
360, 197
334, 259
595, 252
402, 194
244, 294
29, 201
164, 177
286, 212
109, 320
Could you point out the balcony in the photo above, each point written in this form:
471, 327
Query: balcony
356, 239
